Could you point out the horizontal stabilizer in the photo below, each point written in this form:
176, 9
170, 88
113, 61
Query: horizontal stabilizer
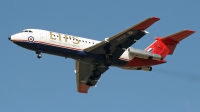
166, 46
177, 37
172, 40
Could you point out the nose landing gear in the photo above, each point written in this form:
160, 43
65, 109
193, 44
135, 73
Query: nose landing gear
39, 54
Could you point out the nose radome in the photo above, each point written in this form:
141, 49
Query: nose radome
9, 38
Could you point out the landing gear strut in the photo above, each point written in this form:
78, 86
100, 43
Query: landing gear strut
108, 62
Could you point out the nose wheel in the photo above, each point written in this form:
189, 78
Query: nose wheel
39, 54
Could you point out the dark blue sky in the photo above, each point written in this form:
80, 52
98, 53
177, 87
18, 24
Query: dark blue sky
28, 84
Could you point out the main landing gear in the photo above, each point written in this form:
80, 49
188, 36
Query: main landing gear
96, 70
39, 54
107, 62
95, 76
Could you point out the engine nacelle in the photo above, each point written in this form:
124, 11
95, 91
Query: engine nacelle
143, 54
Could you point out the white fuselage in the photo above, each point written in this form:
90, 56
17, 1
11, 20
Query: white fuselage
46, 38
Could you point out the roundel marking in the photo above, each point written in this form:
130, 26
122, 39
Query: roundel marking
30, 39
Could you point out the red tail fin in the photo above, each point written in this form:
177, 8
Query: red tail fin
167, 45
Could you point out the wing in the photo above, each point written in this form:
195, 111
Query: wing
84, 77
116, 44
88, 74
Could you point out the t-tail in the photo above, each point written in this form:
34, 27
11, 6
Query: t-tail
166, 46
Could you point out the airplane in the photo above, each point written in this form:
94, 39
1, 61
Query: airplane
93, 57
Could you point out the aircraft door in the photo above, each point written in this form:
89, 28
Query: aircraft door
43, 36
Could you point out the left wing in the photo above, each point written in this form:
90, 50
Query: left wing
116, 44
84, 78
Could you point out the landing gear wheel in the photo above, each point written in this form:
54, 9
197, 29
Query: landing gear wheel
39, 56
96, 74
108, 62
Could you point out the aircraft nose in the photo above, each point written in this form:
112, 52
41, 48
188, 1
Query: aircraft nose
9, 38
